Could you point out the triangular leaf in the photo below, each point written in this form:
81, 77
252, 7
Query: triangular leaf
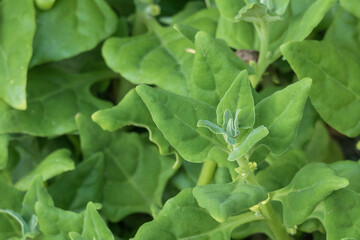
311, 185
178, 122
281, 113
238, 96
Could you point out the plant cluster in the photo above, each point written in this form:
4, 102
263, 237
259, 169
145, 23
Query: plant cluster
154, 119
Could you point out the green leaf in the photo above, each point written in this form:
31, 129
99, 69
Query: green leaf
342, 209
132, 111
132, 166
343, 33
321, 147
10, 226
252, 228
74, 189
281, 169
298, 21
256, 13
351, 6
311, 185
238, 96
17, 30
215, 68
281, 113
335, 91
230, 9
177, 120
147, 54
55, 96
196, 223
4, 142
230, 199
55, 223
349, 170
36, 193
11, 197
94, 225
253, 138
53, 165
77, 33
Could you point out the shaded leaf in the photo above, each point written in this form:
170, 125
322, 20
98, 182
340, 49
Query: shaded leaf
4, 142
132, 166
53, 165
73, 190
55, 96
351, 6
342, 209
85, 25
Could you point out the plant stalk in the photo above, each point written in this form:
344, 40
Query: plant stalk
262, 29
271, 218
207, 173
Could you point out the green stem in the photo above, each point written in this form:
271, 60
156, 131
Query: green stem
271, 218
207, 173
262, 29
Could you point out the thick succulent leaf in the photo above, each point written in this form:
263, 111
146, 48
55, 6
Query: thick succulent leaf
177, 116
55, 223
351, 6
55, 96
17, 30
53, 165
335, 92
349, 170
132, 166
281, 113
215, 68
342, 209
36, 193
281, 169
196, 223
94, 225
238, 96
230, 199
4, 143
146, 55
73, 190
11, 197
249, 142
78, 32
132, 111
311, 185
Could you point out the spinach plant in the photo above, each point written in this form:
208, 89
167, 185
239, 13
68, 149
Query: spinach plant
154, 119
